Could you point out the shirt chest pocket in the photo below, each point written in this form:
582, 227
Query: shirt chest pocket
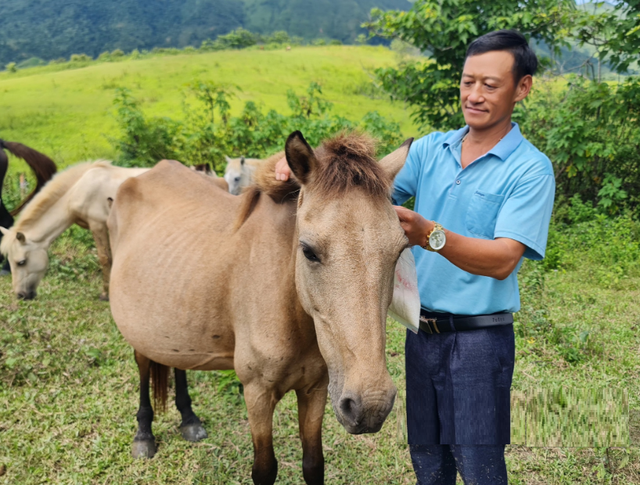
482, 214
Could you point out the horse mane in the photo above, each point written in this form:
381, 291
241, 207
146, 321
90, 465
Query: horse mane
43, 167
345, 162
54, 190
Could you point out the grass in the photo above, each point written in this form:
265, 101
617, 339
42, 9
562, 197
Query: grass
68, 394
67, 113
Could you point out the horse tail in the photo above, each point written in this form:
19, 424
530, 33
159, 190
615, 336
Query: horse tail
160, 383
43, 167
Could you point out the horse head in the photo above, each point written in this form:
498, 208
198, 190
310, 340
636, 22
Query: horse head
237, 174
348, 241
28, 260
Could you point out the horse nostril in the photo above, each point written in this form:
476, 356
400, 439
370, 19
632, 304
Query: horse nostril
351, 409
21, 296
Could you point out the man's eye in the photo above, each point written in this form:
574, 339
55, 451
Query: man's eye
22, 263
490, 86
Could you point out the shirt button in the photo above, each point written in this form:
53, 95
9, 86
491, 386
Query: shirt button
457, 182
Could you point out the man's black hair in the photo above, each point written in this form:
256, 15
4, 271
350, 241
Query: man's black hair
525, 60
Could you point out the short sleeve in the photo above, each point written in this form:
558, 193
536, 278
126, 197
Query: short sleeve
405, 184
526, 214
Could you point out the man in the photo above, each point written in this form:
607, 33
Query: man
483, 201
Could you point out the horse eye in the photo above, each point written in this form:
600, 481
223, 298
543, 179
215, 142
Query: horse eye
310, 255
22, 263
237, 179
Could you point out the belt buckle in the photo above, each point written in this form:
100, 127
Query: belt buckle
430, 322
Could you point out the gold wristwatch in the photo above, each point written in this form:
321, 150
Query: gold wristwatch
436, 239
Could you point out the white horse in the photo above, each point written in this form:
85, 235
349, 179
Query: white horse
82, 194
239, 173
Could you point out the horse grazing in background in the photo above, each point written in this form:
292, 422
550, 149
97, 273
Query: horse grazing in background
288, 284
78, 195
43, 168
239, 173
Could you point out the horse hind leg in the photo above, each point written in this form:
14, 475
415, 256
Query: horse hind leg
101, 237
144, 443
191, 428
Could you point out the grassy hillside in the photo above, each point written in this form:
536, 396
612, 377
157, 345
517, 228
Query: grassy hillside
67, 113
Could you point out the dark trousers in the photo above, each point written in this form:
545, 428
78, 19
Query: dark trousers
458, 394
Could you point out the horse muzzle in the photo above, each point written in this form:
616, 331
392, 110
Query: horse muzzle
26, 295
366, 413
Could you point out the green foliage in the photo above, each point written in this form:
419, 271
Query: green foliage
11, 67
444, 29
614, 33
143, 141
237, 39
208, 132
590, 133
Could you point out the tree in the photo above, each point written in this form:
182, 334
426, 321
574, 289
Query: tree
443, 29
615, 34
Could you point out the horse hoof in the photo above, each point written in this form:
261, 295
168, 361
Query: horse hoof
143, 449
193, 432
104, 297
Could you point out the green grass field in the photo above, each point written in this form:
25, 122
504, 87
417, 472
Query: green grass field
68, 114
68, 383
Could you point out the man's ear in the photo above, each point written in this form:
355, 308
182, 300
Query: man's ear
524, 88
393, 162
300, 157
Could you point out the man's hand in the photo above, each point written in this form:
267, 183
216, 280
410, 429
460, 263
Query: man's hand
415, 226
283, 172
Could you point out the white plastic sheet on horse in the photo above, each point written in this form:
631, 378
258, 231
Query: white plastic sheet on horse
405, 305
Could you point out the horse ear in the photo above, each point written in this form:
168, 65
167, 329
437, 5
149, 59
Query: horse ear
300, 157
20, 237
4, 230
241, 161
227, 159
393, 162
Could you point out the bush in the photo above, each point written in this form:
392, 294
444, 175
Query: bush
208, 132
11, 67
80, 58
590, 132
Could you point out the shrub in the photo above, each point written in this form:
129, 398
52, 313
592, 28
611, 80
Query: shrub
11, 67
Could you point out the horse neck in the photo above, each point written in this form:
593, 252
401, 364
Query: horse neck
280, 220
51, 223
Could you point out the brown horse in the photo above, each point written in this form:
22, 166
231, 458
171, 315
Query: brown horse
288, 284
43, 168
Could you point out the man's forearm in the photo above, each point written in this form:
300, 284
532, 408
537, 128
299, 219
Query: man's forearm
496, 258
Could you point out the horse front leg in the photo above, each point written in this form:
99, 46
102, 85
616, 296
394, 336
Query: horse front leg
261, 401
101, 237
144, 443
311, 404
191, 428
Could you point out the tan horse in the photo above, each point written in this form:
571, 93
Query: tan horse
78, 195
287, 284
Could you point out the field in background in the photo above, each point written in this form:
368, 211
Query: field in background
68, 114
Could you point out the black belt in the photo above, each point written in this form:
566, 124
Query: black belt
432, 322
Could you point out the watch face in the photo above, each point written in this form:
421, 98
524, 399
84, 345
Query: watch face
437, 240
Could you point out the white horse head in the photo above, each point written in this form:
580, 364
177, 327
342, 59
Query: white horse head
239, 173
28, 259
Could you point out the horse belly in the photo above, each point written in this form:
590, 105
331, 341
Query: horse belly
175, 319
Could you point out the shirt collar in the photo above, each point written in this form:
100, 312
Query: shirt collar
503, 149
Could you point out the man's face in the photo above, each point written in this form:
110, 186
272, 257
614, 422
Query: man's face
488, 91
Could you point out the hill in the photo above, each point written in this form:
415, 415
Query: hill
68, 112
59, 28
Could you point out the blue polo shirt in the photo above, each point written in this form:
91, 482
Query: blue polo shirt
508, 192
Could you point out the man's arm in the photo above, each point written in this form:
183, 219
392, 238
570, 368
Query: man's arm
495, 258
